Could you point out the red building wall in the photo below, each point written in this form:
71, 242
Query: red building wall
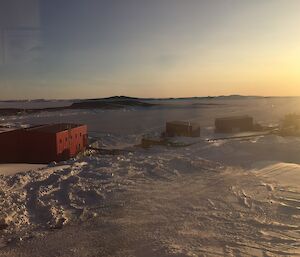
37, 146
9, 144
70, 143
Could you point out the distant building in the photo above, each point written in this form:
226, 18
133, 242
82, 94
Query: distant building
290, 125
182, 128
234, 124
42, 144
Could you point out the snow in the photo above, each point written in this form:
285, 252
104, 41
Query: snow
225, 197
10, 169
285, 174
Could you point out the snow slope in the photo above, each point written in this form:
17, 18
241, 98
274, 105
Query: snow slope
168, 202
285, 174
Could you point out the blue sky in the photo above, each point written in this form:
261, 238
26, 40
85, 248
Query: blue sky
157, 48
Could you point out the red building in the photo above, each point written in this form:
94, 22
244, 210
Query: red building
42, 144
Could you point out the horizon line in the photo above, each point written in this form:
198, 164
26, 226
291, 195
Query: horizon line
145, 98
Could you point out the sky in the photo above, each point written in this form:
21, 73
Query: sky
157, 48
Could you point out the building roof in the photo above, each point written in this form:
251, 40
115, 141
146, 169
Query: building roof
241, 117
54, 128
182, 123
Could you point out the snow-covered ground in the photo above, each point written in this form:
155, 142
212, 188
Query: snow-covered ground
212, 198
10, 169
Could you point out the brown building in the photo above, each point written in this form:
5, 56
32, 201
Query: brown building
234, 124
290, 125
42, 144
182, 128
